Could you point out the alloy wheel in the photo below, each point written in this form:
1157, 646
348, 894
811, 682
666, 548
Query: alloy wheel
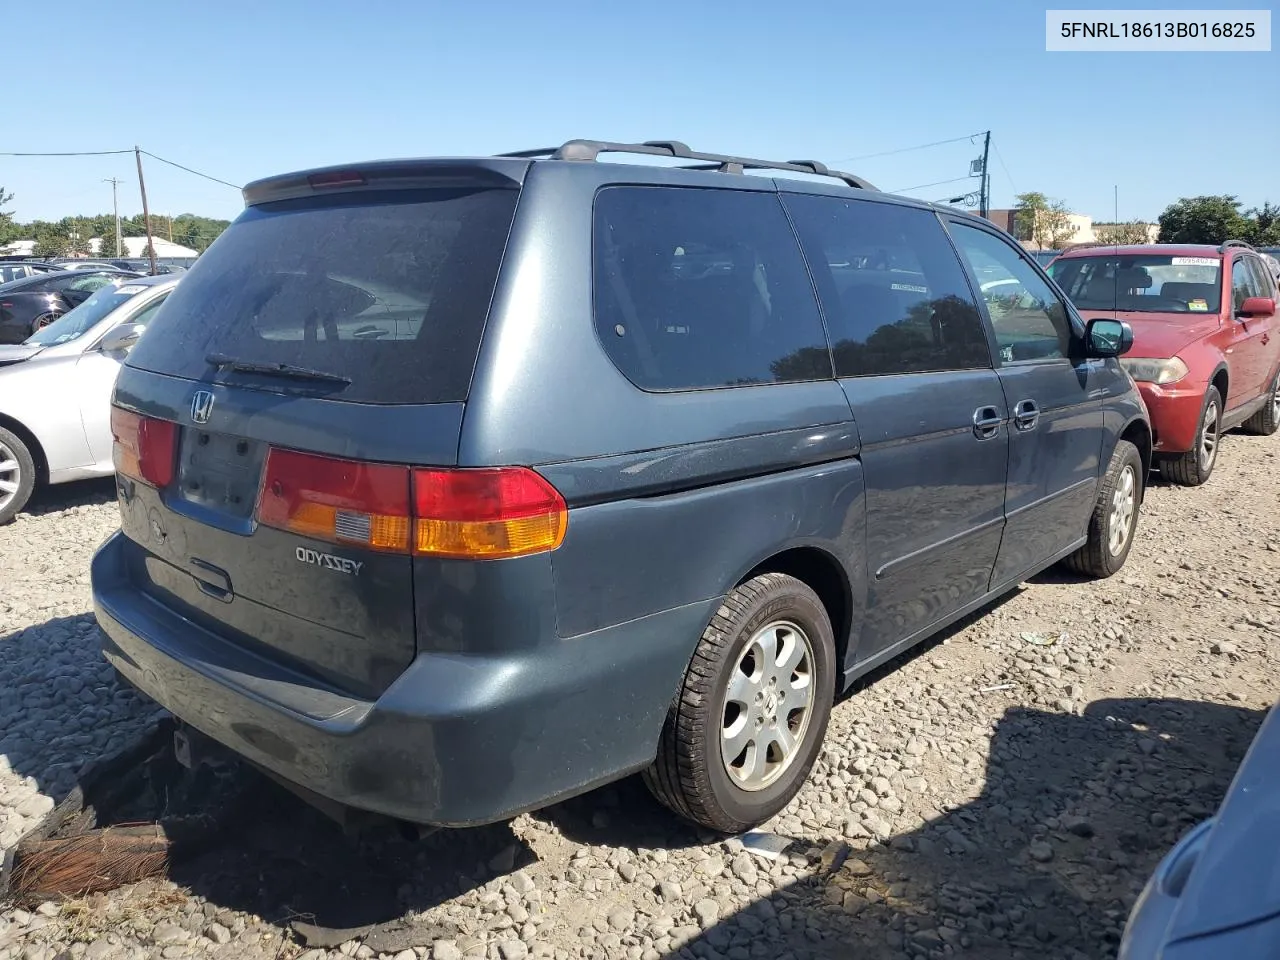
10, 476
767, 705
1123, 503
1209, 437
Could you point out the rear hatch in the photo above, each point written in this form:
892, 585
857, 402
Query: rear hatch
268, 425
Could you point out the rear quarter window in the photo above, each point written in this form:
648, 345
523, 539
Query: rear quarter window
390, 290
703, 288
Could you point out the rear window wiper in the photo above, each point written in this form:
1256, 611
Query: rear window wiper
224, 362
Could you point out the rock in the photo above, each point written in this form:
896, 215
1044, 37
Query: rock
33, 807
744, 868
405, 955
669, 890
856, 868
854, 903
881, 786
101, 949
1040, 851
916, 747
522, 883
1077, 825
878, 826
833, 855
1222, 647
711, 867
513, 950
628, 872
707, 912
504, 860
445, 950
622, 918
165, 932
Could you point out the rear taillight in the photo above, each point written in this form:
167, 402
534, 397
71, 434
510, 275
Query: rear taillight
464, 513
144, 447
342, 501
502, 512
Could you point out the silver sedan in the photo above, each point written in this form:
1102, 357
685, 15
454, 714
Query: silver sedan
55, 389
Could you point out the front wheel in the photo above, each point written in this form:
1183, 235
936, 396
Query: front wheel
752, 711
1114, 518
17, 475
42, 321
1193, 467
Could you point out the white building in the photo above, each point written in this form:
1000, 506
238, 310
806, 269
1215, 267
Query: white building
135, 247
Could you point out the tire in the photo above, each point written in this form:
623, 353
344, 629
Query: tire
1267, 420
1193, 467
42, 321
691, 774
17, 475
1115, 516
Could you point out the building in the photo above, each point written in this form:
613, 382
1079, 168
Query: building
136, 247
1081, 229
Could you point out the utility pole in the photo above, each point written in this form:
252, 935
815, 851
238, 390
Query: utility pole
984, 207
115, 208
146, 211
169, 217
1117, 203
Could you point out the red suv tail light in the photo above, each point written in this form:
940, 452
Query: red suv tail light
144, 447
462, 513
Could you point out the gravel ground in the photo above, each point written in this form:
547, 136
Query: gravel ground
1002, 792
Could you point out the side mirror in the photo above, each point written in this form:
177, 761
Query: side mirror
1260, 307
1108, 338
122, 337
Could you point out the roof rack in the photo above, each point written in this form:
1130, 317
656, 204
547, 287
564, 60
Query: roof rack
591, 150
1235, 243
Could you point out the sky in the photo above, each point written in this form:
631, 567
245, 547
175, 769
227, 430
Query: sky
242, 90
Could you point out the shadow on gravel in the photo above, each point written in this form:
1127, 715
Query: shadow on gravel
1075, 813
64, 496
57, 697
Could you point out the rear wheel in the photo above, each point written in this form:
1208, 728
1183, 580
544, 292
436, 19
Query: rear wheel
42, 321
1193, 467
1115, 516
1267, 420
749, 720
17, 475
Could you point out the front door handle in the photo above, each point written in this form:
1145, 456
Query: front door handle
986, 422
1026, 414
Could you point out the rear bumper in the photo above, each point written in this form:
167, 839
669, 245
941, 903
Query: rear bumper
456, 740
1175, 414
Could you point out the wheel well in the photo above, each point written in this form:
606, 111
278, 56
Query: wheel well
825, 577
1139, 435
1220, 381
33, 445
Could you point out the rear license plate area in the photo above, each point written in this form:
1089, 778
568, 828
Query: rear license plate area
220, 472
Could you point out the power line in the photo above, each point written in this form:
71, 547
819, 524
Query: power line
923, 146
189, 170
936, 183
1004, 168
78, 153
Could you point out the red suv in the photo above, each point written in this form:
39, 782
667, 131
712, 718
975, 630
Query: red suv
1206, 350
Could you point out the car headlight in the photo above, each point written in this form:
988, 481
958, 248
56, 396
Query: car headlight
1155, 371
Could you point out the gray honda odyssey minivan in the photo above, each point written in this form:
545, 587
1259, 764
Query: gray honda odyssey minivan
453, 487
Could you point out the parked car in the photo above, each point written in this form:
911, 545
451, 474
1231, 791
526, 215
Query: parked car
1206, 351
55, 390
30, 303
1217, 892
375, 541
17, 270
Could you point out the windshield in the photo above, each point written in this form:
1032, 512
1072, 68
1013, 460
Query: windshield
1144, 283
74, 323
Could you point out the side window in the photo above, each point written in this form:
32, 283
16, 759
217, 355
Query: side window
703, 288
1261, 279
91, 282
894, 294
147, 315
1030, 321
1243, 283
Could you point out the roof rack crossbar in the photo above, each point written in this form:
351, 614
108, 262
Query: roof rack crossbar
1235, 243
591, 150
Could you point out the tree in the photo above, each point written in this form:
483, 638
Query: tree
7, 229
52, 239
1041, 220
1134, 231
1203, 220
1264, 226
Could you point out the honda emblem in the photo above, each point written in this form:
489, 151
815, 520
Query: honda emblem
201, 406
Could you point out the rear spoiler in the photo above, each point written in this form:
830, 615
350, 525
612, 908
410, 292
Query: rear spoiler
388, 175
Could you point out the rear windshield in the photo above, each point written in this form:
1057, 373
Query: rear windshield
1144, 284
388, 290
